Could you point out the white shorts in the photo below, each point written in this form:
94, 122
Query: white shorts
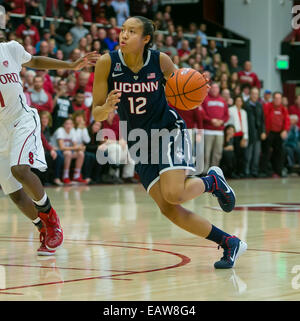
20, 144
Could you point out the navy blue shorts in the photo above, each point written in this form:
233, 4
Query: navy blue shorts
172, 152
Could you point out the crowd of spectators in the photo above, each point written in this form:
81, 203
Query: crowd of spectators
247, 132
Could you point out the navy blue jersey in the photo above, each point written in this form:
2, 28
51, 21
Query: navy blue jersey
143, 103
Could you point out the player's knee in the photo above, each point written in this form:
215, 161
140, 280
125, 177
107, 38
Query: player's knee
173, 197
20, 172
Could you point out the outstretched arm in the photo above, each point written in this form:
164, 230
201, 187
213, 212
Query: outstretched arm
40, 62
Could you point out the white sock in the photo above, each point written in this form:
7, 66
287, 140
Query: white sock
42, 201
76, 173
66, 173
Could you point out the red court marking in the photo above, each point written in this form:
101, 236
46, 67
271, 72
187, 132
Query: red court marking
145, 243
184, 260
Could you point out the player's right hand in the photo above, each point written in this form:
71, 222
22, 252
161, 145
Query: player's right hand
112, 100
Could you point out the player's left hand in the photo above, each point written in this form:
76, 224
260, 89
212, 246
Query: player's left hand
89, 59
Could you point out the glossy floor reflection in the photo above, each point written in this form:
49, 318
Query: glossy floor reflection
119, 247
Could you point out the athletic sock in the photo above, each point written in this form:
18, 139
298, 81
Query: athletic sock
43, 205
76, 173
38, 223
217, 235
208, 182
66, 173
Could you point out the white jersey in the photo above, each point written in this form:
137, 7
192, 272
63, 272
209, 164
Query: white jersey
12, 99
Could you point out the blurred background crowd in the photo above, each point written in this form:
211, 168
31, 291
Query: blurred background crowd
249, 132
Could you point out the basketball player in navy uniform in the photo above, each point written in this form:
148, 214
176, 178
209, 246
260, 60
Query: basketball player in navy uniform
130, 81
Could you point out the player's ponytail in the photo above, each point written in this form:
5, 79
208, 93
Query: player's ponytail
149, 29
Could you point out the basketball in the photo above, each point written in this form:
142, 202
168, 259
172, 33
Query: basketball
186, 89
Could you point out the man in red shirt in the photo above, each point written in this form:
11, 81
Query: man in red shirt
27, 29
295, 109
247, 76
184, 52
215, 114
277, 125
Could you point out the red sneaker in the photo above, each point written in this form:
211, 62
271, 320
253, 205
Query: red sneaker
80, 180
67, 181
54, 233
42, 250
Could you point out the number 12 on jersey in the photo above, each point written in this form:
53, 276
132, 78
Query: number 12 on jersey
138, 108
1, 100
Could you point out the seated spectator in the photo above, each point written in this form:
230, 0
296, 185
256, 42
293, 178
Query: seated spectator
295, 109
54, 158
212, 48
16, 6
117, 151
277, 125
83, 138
46, 37
247, 76
78, 31
85, 9
47, 82
28, 29
267, 98
285, 102
206, 59
29, 80
228, 161
202, 33
122, 10
40, 99
215, 65
234, 64
92, 148
82, 45
102, 35
109, 10
52, 8
68, 46
64, 139
62, 106
292, 144
112, 39
223, 69
101, 18
219, 35
233, 81
246, 92
238, 118
179, 38
78, 104
256, 133
215, 114
227, 96
168, 48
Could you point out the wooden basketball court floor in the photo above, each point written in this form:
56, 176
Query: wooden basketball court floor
119, 247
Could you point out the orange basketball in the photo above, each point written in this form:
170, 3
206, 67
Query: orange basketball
186, 89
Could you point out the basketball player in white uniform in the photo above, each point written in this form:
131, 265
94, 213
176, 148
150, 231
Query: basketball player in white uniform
20, 141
